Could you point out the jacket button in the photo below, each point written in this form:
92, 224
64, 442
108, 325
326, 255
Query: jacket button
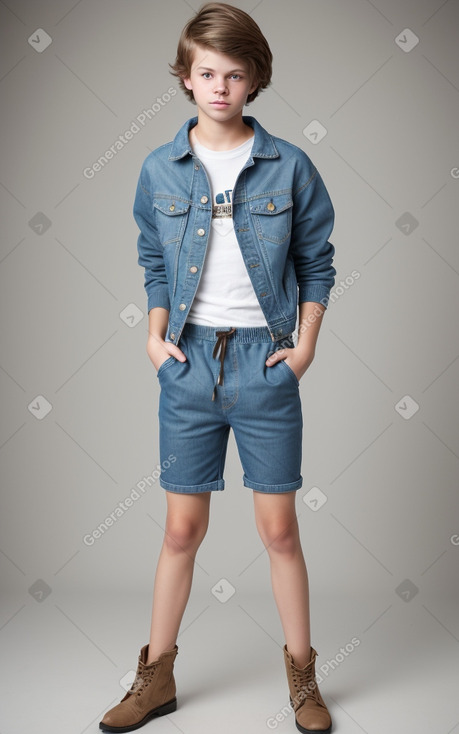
201, 232
182, 306
270, 207
193, 269
204, 199
172, 207
172, 336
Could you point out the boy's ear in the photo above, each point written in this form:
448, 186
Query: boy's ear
187, 83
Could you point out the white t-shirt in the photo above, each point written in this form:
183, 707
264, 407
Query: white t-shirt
225, 295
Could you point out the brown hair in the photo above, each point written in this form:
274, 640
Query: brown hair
229, 31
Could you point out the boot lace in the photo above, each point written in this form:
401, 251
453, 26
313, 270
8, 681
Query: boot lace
305, 686
142, 678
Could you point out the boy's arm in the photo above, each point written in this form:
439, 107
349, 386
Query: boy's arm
312, 254
151, 258
300, 357
310, 246
149, 247
157, 349
310, 321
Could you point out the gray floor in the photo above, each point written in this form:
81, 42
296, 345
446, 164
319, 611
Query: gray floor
62, 659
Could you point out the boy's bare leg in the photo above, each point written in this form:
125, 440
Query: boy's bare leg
186, 525
277, 525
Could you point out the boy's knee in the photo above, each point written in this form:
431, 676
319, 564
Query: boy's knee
280, 538
184, 535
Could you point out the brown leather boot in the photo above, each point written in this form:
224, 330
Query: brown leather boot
311, 713
151, 694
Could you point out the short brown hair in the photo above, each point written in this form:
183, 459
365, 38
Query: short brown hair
229, 31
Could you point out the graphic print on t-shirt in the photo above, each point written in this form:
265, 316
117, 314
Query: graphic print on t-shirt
222, 212
223, 206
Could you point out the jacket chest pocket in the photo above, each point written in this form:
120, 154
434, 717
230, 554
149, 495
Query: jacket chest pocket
170, 218
272, 217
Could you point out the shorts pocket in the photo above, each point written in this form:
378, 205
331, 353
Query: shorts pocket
289, 371
164, 365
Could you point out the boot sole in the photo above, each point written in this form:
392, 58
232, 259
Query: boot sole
166, 708
312, 731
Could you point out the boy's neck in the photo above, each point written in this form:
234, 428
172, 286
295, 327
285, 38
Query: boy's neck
220, 135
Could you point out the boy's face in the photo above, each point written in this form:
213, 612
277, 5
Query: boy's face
220, 84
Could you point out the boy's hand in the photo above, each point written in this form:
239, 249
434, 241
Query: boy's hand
159, 350
298, 359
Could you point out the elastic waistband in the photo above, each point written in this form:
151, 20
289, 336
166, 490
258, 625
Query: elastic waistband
243, 334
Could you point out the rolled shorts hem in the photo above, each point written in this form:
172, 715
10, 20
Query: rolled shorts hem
273, 488
217, 485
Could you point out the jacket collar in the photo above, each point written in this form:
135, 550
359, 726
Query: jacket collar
263, 145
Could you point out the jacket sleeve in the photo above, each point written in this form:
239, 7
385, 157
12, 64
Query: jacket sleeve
150, 250
312, 252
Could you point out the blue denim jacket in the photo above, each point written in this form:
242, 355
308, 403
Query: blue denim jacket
282, 217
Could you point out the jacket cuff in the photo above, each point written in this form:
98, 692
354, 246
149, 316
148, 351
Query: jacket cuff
314, 292
159, 297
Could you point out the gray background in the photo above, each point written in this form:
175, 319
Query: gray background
382, 549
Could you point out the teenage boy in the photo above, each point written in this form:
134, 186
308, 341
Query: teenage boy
234, 238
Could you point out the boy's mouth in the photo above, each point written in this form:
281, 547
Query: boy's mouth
220, 103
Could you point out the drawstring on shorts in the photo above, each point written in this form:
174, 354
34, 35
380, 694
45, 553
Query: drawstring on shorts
220, 347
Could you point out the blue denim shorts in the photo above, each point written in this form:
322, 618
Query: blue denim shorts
225, 384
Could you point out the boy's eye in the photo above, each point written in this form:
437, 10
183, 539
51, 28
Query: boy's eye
207, 75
